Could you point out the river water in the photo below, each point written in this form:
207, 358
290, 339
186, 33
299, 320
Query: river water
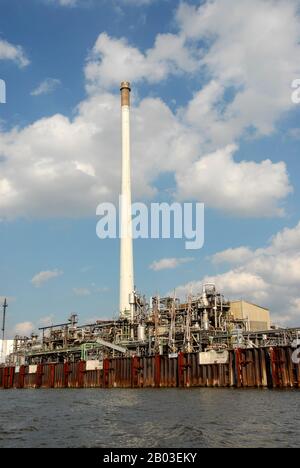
154, 418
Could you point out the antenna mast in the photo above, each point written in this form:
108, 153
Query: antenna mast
4, 307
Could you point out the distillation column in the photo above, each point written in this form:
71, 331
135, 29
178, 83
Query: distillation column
126, 260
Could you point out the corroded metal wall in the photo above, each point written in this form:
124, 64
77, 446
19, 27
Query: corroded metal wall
264, 367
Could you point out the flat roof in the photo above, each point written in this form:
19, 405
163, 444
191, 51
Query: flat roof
251, 303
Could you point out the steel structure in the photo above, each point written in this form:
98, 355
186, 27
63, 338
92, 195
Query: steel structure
164, 326
161, 327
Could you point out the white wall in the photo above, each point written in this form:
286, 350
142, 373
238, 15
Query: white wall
7, 349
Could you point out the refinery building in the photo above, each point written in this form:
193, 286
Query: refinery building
156, 339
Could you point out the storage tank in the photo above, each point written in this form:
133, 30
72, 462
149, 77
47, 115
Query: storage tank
141, 333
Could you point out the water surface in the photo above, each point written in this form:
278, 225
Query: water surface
150, 418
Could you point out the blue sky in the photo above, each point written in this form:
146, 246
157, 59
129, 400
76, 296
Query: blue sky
212, 121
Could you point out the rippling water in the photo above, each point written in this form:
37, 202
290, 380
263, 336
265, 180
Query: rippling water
167, 418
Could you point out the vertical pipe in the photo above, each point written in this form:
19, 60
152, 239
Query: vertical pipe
5, 305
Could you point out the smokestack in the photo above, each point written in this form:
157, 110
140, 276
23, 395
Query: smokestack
126, 260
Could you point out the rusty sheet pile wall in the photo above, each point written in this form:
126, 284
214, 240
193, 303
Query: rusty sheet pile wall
264, 367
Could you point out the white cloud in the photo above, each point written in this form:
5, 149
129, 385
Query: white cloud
24, 328
113, 60
63, 153
295, 306
169, 263
270, 276
246, 188
82, 291
45, 276
67, 158
49, 85
14, 53
250, 57
232, 256
288, 240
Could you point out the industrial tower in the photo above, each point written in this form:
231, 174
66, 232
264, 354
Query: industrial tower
126, 260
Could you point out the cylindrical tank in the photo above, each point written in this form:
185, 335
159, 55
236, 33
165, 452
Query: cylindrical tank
141, 333
204, 297
132, 298
36, 347
205, 320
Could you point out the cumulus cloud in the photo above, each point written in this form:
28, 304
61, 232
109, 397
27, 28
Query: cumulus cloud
250, 63
45, 276
67, 158
246, 91
113, 59
269, 276
232, 256
14, 53
288, 240
49, 85
248, 188
24, 328
168, 263
62, 154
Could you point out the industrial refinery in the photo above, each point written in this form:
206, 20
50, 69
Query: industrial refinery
206, 325
165, 327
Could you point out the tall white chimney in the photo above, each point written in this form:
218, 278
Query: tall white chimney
126, 260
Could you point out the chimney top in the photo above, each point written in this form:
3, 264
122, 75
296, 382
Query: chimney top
125, 93
125, 85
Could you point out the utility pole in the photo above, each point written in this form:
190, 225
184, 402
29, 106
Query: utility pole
4, 307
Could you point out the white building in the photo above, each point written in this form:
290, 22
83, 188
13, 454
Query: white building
257, 318
6, 349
